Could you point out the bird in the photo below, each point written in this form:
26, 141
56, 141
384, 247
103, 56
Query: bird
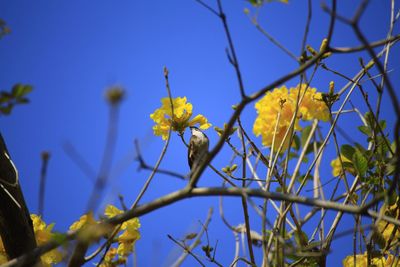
198, 147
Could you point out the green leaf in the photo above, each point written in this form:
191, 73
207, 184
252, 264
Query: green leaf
392, 199
190, 236
391, 166
296, 142
301, 238
393, 146
302, 177
20, 90
293, 155
347, 151
6, 109
207, 250
4, 99
5, 96
234, 167
365, 130
347, 165
369, 118
310, 148
382, 148
382, 123
22, 100
360, 148
255, 2
360, 163
304, 135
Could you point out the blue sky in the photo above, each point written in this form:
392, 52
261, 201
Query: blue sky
71, 51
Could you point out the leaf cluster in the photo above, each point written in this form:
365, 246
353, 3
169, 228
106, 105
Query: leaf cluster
16, 96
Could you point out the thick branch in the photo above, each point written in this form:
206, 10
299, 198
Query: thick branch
203, 192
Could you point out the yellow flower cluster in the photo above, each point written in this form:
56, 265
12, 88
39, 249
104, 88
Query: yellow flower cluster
84, 221
362, 261
178, 121
126, 240
337, 166
388, 232
43, 234
91, 230
276, 110
130, 234
387, 229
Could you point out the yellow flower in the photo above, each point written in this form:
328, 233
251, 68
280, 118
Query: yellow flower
362, 261
126, 241
43, 234
277, 107
89, 229
110, 255
128, 238
178, 121
112, 211
393, 261
387, 229
337, 167
84, 220
110, 259
311, 105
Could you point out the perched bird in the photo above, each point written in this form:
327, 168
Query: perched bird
198, 147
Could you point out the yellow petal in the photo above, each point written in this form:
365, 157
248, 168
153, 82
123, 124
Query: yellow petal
86, 219
112, 211
201, 120
361, 261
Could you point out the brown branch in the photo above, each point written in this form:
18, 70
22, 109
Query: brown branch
105, 165
144, 165
187, 250
203, 192
244, 197
231, 52
79, 161
340, 50
196, 241
43, 173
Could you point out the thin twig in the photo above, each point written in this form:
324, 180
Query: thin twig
80, 161
195, 242
144, 165
244, 198
43, 174
388, 41
186, 250
106, 162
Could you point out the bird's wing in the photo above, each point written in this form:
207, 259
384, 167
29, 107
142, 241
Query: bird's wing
191, 152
